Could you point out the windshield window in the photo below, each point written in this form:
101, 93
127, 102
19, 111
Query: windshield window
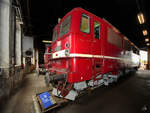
85, 23
54, 35
65, 26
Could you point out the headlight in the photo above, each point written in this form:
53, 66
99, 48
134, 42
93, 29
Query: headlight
67, 45
67, 52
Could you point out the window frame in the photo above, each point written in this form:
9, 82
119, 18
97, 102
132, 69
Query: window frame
85, 15
60, 28
99, 29
55, 31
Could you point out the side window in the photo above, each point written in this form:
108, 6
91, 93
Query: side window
96, 30
85, 23
65, 26
114, 38
54, 35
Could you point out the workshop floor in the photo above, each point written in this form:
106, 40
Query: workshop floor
130, 95
21, 102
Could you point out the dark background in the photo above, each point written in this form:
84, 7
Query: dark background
40, 16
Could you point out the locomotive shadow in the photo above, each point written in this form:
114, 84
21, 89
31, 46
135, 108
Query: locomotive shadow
91, 98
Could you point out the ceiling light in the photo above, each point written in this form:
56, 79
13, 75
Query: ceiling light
148, 44
46, 41
145, 32
141, 18
146, 39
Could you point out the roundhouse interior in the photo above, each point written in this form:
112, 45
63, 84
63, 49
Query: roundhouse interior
70, 56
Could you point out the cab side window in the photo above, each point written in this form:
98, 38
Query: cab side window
85, 23
65, 26
96, 30
54, 35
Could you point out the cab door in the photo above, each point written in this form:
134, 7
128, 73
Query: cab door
96, 48
96, 38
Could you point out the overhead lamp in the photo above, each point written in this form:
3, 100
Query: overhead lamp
46, 41
146, 39
148, 44
145, 32
141, 18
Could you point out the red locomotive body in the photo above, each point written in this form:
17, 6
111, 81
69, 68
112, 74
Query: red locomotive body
87, 51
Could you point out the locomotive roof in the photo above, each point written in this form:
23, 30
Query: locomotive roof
113, 27
116, 30
102, 19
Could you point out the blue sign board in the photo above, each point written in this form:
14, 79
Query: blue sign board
46, 99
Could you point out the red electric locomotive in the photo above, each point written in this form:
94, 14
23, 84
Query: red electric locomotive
88, 52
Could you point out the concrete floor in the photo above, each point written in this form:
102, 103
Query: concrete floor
130, 95
21, 102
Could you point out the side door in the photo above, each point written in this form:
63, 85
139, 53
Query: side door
83, 43
96, 47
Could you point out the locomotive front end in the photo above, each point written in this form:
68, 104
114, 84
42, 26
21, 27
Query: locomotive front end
60, 61
69, 65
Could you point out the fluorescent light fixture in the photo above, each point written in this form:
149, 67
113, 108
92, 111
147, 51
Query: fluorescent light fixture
46, 41
146, 39
148, 44
145, 32
141, 18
